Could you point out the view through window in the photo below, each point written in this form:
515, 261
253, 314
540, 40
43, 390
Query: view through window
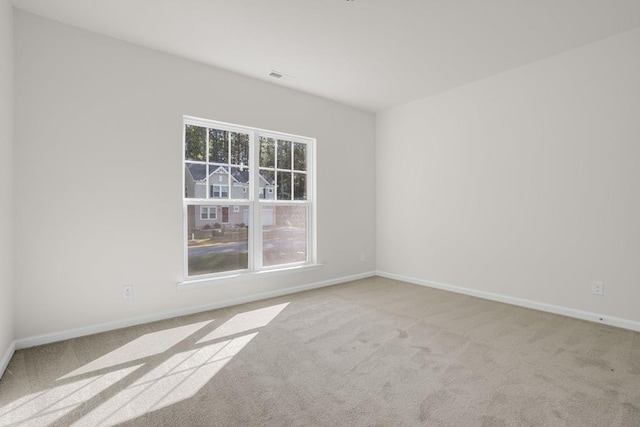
248, 198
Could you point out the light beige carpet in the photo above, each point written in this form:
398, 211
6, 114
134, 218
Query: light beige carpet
371, 352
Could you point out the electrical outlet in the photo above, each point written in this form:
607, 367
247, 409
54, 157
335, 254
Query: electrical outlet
363, 257
127, 291
597, 288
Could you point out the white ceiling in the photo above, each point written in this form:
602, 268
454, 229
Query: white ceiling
372, 54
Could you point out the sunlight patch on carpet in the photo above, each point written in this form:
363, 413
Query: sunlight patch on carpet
177, 379
144, 346
244, 322
45, 407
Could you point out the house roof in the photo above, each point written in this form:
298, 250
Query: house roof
268, 178
199, 173
240, 175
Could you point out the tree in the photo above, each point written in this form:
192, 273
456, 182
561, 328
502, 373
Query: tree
218, 146
267, 152
195, 143
239, 149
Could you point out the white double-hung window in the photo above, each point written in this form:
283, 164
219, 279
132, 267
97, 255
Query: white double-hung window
248, 199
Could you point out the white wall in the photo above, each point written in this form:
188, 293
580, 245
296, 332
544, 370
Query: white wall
6, 171
525, 184
98, 176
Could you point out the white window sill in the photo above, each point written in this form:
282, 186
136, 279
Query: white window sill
244, 275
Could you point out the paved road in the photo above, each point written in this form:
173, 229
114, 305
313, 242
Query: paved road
199, 251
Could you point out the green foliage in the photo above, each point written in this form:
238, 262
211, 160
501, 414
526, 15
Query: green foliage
195, 143
299, 186
284, 154
284, 185
299, 156
267, 152
221, 144
218, 146
239, 149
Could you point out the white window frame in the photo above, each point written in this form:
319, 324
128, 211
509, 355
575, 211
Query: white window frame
254, 203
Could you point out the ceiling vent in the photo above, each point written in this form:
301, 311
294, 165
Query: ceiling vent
278, 75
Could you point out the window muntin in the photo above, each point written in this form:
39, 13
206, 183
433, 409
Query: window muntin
267, 223
284, 162
218, 160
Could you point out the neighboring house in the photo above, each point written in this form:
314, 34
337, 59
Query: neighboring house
223, 185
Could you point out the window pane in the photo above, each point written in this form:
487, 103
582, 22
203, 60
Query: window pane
267, 152
239, 183
299, 186
299, 156
195, 180
218, 146
214, 247
267, 184
284, 234
284, 154
284, 185
239, 149
218, 165
195, 144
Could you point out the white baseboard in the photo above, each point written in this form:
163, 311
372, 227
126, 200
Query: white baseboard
550, 308
110, 326
6, 358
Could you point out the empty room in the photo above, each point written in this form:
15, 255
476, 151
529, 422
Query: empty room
319, 213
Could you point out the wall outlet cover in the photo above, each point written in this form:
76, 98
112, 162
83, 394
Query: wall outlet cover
597, 288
